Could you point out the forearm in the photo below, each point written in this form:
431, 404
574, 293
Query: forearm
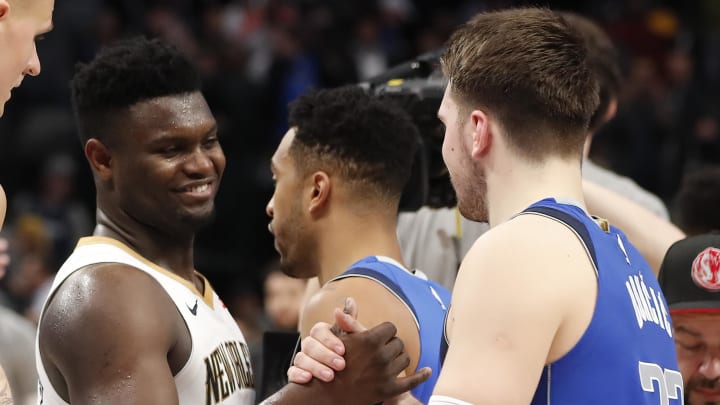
315, 392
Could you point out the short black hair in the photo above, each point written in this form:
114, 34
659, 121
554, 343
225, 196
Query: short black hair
369, 141
124, 74
696, 203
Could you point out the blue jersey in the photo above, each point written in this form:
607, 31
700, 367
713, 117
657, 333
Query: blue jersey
627, 354
427, 300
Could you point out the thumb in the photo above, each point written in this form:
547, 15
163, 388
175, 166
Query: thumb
346, 319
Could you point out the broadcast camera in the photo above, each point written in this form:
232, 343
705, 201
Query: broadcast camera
417, 86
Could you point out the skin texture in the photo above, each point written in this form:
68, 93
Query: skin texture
21, 22
697, 339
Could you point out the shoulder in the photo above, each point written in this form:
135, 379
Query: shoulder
114, 301
375, 302
534, 256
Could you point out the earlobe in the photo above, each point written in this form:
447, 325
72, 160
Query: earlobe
321, 186
99, 157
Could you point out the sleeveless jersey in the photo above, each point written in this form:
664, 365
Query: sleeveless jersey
425, 299
627, 354
218, 370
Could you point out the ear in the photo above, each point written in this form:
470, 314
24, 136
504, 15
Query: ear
320, 192
4, 9
481, 133
99, 157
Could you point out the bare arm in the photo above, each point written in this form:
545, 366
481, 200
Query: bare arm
5, 394
106, 335
650, 234
507, 310
311, 288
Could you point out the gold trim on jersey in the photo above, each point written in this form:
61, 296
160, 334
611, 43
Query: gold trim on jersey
207, 297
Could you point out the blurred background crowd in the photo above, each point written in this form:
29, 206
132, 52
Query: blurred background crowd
258, 55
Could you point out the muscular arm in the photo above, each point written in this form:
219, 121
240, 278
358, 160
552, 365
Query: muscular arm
106, 335
509, 302
650, 234
5, 394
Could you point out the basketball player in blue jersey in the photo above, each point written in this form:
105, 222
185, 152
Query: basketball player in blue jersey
339, 173
551, 306
129, 320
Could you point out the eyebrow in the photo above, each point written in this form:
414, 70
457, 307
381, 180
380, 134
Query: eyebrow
686, 330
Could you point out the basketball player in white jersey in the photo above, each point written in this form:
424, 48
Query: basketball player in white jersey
21, 23
129, 320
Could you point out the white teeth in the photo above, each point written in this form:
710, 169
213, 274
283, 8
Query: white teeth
199, 189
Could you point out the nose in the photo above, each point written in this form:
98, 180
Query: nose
710, 367
199, 164
33, 67
269, 206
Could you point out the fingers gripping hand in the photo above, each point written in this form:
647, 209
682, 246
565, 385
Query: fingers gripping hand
322, 351
321, 354
375, 358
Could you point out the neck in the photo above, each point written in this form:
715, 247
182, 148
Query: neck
516, 184
170, 251
351, 238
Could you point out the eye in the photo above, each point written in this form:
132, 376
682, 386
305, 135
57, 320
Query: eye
694, 347
169, 151
212, 141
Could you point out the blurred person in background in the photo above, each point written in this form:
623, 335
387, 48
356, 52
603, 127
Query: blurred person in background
283, 299
696, 203
690, 279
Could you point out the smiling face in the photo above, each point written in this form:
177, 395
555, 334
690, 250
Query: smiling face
21, 22
167, 163
466, 175
697, 339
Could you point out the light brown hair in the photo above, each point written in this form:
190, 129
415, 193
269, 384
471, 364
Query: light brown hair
529, 67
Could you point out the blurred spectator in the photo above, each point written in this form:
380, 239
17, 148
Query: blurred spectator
696, 204
283, 299
17, 355
65, 219
689, 279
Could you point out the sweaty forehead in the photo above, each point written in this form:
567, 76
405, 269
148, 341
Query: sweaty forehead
167, 113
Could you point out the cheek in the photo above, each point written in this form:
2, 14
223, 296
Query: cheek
687, 364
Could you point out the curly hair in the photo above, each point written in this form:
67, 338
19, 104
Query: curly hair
368, 141
124, 74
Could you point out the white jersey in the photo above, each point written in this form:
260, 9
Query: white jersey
218, 370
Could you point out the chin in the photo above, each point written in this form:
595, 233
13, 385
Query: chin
198, 221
